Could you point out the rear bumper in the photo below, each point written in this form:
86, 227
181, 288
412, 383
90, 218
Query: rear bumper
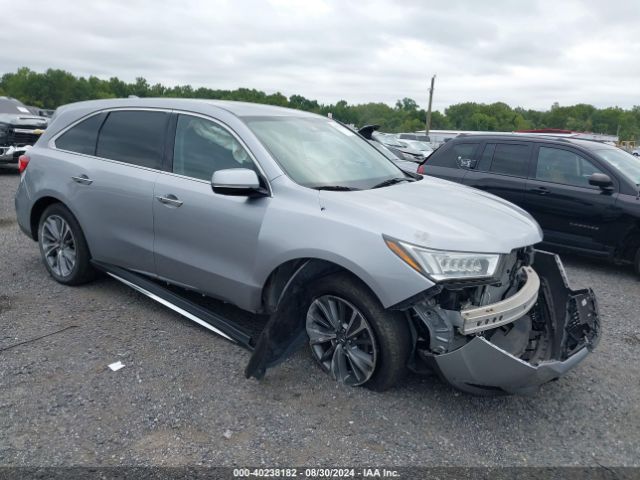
573, 332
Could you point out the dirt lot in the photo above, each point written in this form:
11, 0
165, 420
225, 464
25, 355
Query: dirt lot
182, 399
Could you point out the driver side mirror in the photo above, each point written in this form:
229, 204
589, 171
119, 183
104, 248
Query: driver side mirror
237, 182
601, 180
466, 163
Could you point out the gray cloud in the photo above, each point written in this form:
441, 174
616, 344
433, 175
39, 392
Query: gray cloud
526, 54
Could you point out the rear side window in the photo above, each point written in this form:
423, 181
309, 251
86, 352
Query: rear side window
449, 158
511, 159
82, 137
135, 137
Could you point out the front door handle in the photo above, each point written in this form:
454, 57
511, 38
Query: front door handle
170, 200
541, 190
82, 179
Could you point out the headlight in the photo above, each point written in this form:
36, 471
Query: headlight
445, 265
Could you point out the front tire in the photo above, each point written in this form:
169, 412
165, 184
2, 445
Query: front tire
352, 337
63, 247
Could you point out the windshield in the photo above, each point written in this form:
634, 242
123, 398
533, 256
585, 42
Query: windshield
318, 152
12, 106
624, 162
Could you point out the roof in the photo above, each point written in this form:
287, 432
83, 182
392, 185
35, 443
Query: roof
587, 144
239, 109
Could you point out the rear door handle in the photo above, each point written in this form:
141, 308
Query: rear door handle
82, 179
170, 200
541, 190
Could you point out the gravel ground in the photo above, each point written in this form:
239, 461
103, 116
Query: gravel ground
182, 398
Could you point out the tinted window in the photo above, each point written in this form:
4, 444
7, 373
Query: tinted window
510, 159
487, 155
133, 137
562, 166
202, 147
449, 158
82, 138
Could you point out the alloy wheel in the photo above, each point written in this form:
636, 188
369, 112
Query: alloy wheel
58, 245
341, 339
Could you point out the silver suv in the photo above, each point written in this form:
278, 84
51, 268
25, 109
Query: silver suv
293, 215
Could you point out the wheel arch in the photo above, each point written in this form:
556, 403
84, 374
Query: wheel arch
38, 209
296, 272
629, 246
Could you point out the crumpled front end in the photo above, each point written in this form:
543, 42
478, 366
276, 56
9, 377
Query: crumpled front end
558, 330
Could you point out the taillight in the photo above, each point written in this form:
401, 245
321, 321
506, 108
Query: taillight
421, 169
23, 161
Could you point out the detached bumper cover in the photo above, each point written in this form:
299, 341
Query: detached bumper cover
574, 330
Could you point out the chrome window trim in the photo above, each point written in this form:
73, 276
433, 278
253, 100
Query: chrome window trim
52, 145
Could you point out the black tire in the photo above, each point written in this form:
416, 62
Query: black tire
82, 271
636, 262
391, 331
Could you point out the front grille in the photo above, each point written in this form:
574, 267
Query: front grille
20, 139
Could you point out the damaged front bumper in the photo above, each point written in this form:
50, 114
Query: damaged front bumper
569, 329
9, 155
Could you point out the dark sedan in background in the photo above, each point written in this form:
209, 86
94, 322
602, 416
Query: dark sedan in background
584, 194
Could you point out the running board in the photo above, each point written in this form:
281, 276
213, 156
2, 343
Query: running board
202, 316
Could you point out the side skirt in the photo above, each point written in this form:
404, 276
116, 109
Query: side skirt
206, 318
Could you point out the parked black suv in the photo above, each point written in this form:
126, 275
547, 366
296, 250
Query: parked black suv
584, 194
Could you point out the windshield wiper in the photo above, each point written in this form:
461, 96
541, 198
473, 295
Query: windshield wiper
393, 181
336, 188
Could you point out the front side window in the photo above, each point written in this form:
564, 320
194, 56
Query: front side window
203, 147
510, 159
318, 152
449, 158
135, 137
82, 137
565, 167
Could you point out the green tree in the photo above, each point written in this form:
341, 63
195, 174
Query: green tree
55, 87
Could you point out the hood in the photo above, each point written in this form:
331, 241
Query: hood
438, 214
23, 120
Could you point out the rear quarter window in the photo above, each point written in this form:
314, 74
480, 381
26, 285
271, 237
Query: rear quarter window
82, 138
449, 157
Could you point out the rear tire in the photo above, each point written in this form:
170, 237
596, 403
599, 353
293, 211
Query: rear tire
63, 246
367, 345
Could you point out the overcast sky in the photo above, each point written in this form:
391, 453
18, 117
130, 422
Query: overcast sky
525, 53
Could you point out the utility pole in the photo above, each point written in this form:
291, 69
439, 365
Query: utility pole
428, 127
